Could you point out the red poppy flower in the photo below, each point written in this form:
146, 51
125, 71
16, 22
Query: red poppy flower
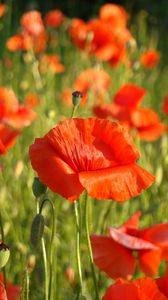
139, 289
19, 42
11, 113
32, 23
94, 80
151, 245
32, 100
2, 9
162, 283
150, 58
126, 109
54, 18
92, 154
165, 105
51, 62
7, 138
116, 14
13, 291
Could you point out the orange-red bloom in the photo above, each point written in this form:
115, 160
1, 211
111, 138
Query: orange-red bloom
165, 105
32, 23
52, 63
2, 9
150, 58
7, 138
126, 108
92, 154
139, 289
54, 18
114, 254
104, 37
11, 113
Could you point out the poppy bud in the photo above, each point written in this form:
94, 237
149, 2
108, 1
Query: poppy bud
69, 274
76, 98
38, 187
37, 230
4, 254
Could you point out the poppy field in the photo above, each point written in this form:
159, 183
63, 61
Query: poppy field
83, 156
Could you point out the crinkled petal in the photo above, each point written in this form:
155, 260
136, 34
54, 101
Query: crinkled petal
118, 183
53, 171
147, 289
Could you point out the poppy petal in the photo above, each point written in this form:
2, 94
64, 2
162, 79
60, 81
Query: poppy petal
162, 283
133, 221
130, 242
126, 291
118, 183
3, 295
111, 258
151, 133
158, 234
53, 171
92, 144
149, 261
147, 289
129, 95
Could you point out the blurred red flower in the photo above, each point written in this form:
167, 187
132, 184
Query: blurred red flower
51, 62
165, 105
92, 154
125, 108
54, 18
13, 291
2, 9
7, 138
150, 58
114, 254
32, 22
11, 112
139, 289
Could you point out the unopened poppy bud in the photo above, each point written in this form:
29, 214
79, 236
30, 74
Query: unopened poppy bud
4, 254
38, 187
31, 263
76, 98
37, 230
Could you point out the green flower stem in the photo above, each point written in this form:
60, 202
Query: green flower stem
44, 260
3, 240
78, 233
73, 111
89, 246
51, 245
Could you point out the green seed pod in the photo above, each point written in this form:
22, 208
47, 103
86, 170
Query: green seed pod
37, 230
38, 187
76, 98
4, 254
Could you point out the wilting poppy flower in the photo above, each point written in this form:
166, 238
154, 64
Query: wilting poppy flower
13, 291
94, 80
139, 289
7, 138
150, 58
126, 108
54, 18
52, 63
92, 154
11, 112
151, 244
2, 9
32, 22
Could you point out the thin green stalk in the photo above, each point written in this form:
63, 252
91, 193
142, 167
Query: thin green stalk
89, 246
51, 245
78, 233
44, 260
3, 240
73, 111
